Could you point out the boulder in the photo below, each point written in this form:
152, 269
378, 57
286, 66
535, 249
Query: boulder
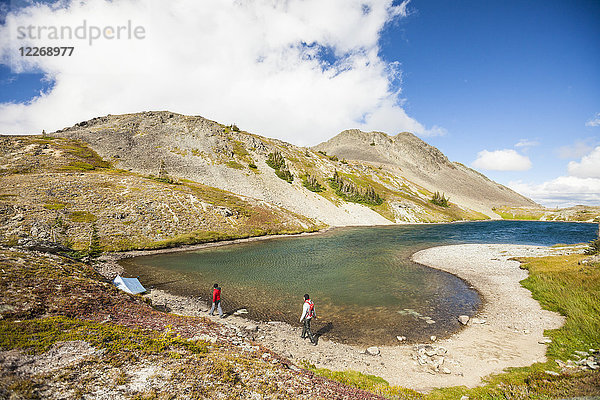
44, 246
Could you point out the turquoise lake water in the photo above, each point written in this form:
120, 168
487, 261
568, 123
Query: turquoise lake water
366, 289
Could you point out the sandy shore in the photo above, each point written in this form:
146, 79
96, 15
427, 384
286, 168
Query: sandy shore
507, 332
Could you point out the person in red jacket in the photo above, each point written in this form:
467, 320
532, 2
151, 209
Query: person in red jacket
216, 301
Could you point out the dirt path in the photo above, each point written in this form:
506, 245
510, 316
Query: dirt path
507, 332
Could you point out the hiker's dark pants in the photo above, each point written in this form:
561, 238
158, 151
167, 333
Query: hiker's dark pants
306, 330
216, 304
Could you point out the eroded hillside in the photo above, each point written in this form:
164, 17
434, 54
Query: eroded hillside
194, 148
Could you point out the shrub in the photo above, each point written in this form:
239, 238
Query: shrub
440, 200
94, 249
594, 247
312, 184
277, 162
347, 190
285, 174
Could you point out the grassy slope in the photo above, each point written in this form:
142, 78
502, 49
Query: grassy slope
578, 214
560, 284
67, 188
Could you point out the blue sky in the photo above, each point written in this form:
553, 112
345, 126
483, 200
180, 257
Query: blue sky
494, 73
509, 88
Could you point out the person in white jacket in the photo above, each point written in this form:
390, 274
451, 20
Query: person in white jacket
308, 313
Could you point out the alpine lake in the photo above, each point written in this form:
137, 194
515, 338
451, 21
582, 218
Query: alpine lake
365, 287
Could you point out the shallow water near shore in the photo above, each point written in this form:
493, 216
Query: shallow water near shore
366, 289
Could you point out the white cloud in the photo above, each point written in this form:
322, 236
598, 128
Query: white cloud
594, 121
564, 191
588, 167
577, 150
299, 70
526, 143
502, 160
581, 186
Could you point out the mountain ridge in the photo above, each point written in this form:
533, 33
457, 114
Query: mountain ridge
424, 165
195, 148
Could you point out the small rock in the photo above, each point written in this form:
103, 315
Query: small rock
446, 371
374, 350
553, 373
206, 338
251, 328
241, 311
224, 211
18, 217
592, 365
431, 353
433, 338
478, 321
430, 321
463, 319
526, 331
464, 398
401, 338
294, 368
545, 340
582, 353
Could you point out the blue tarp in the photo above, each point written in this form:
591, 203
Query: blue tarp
129, 285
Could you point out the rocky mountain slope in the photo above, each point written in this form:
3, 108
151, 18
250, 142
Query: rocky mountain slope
426, 166
403, 171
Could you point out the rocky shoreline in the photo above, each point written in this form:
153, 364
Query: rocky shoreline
507, 331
